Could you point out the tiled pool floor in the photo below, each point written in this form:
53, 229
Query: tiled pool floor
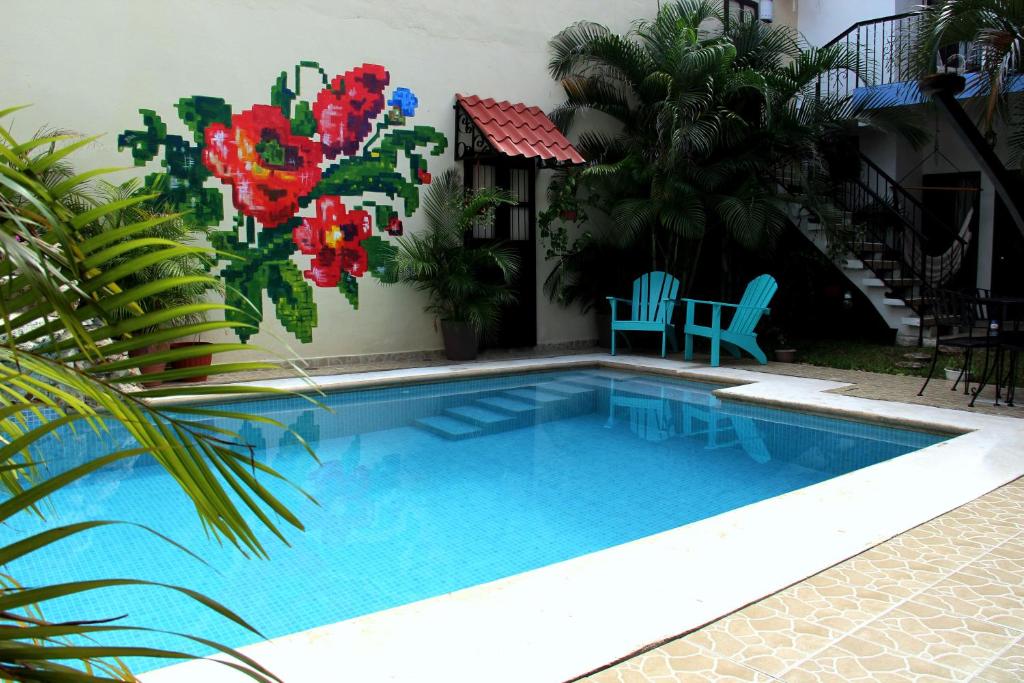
941, 602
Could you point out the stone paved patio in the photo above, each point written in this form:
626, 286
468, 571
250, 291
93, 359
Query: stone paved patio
894, 388
942, 602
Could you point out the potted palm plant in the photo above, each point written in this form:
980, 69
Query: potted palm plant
187, 267
466, 286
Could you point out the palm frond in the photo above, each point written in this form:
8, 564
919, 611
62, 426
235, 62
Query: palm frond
71, 314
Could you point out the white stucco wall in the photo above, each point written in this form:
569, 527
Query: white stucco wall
91, 65
786, 12
822, 20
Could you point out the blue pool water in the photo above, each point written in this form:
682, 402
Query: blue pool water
431, 488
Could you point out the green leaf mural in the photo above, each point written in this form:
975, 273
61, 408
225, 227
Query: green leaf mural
199, 112
298, 169
293, 299
349, 286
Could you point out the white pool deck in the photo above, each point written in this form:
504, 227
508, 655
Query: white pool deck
559, 622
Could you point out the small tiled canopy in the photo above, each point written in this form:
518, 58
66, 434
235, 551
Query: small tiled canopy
487, 127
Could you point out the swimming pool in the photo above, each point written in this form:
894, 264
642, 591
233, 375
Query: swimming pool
425, 489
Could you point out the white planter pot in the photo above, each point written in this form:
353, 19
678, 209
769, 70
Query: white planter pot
953, 374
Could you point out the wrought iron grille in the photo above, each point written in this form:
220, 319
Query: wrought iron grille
734, 8
469, 141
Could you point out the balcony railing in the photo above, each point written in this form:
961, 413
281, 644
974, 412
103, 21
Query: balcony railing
885, 49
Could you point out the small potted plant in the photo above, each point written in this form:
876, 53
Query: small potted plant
955, 374
784, 353
466, 286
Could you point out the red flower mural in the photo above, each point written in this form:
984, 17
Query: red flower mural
281, 159
345, 112
332, 239
267, 167
394, 226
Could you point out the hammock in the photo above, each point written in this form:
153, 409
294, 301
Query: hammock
940, 269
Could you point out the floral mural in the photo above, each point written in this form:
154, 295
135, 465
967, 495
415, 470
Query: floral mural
323, 180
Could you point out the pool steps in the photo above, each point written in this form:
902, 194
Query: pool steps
516, 408
480, 416
448, 427
513, 406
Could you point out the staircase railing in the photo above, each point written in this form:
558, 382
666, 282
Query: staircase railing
915, 230
886, 227
899, 233
883, 48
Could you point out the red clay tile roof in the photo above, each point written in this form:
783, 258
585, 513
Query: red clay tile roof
518, 130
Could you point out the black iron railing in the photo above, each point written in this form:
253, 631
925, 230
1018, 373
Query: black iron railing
920, 248
900, 241
883, 49
885, 54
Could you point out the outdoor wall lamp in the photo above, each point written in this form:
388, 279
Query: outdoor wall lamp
766, 11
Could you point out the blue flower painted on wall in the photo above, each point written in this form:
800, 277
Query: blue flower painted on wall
290, 157
405, 100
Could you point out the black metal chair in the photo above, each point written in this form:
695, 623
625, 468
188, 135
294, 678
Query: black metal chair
957, 312
1015, 347
1008, 341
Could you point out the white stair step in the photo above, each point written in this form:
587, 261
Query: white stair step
508, 405
566, 389
448, 427
911, 322
853, 264
539, 397
480, 416
872, 282
604, 374
589, 382
899, 303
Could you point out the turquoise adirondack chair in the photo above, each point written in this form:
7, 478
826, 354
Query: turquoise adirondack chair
654, 299
739, 336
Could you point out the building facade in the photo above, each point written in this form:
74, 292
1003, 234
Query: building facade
180, 89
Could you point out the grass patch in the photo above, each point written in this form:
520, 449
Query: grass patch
873, 357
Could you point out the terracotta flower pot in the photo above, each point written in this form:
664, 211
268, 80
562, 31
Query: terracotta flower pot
153, 368
194, 362
785, 355
460, 340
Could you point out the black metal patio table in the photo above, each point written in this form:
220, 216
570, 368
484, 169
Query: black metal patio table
1008, 342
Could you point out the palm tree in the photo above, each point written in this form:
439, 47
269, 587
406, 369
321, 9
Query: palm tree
187, 269
705, 114
65, 363
995, 30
